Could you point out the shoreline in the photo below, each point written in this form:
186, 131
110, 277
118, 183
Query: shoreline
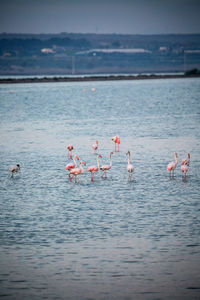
92, 78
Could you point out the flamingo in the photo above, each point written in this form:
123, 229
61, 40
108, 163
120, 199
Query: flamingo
185, 164
106, 167
95, 146
116, 140
172, 165
94, 169
77, 171
71, 166
130, 167
70, 148
14, 169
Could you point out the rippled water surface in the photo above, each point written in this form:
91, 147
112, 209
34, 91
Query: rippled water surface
113, 238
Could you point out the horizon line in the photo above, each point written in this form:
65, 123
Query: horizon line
94, 33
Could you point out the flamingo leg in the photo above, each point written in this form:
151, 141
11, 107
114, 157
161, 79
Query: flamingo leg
75, 179
71, 177
92, 177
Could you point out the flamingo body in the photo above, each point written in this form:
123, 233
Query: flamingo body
95, 146
92, 169
171, 166
14, 169
130, 168
105, 167
69, 166
70, 147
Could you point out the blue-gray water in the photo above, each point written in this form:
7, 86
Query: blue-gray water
111, 238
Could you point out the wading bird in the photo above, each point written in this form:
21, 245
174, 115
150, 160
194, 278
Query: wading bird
116, 140
94, 169
77, 171
14, 169
105, 168
172, 165
95, 146
70, 148
71, 166
129, 167
185, 164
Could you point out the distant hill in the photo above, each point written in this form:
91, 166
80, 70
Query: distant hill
68, 53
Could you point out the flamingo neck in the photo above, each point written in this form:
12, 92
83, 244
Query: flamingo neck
129, 159
81, 168
176, 159
110, 159
75, 162
97, 162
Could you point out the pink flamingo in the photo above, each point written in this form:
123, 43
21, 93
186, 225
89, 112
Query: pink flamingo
185, 164
94, 169
106, 167
77, 171
71, 166
70, 148
116, 140
130, 167
172, 165
14, 169
95, 146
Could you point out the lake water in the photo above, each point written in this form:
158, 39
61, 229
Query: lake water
113, 238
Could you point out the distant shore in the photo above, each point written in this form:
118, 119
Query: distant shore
93, 78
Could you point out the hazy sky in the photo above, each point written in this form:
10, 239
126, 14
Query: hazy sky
100, 16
